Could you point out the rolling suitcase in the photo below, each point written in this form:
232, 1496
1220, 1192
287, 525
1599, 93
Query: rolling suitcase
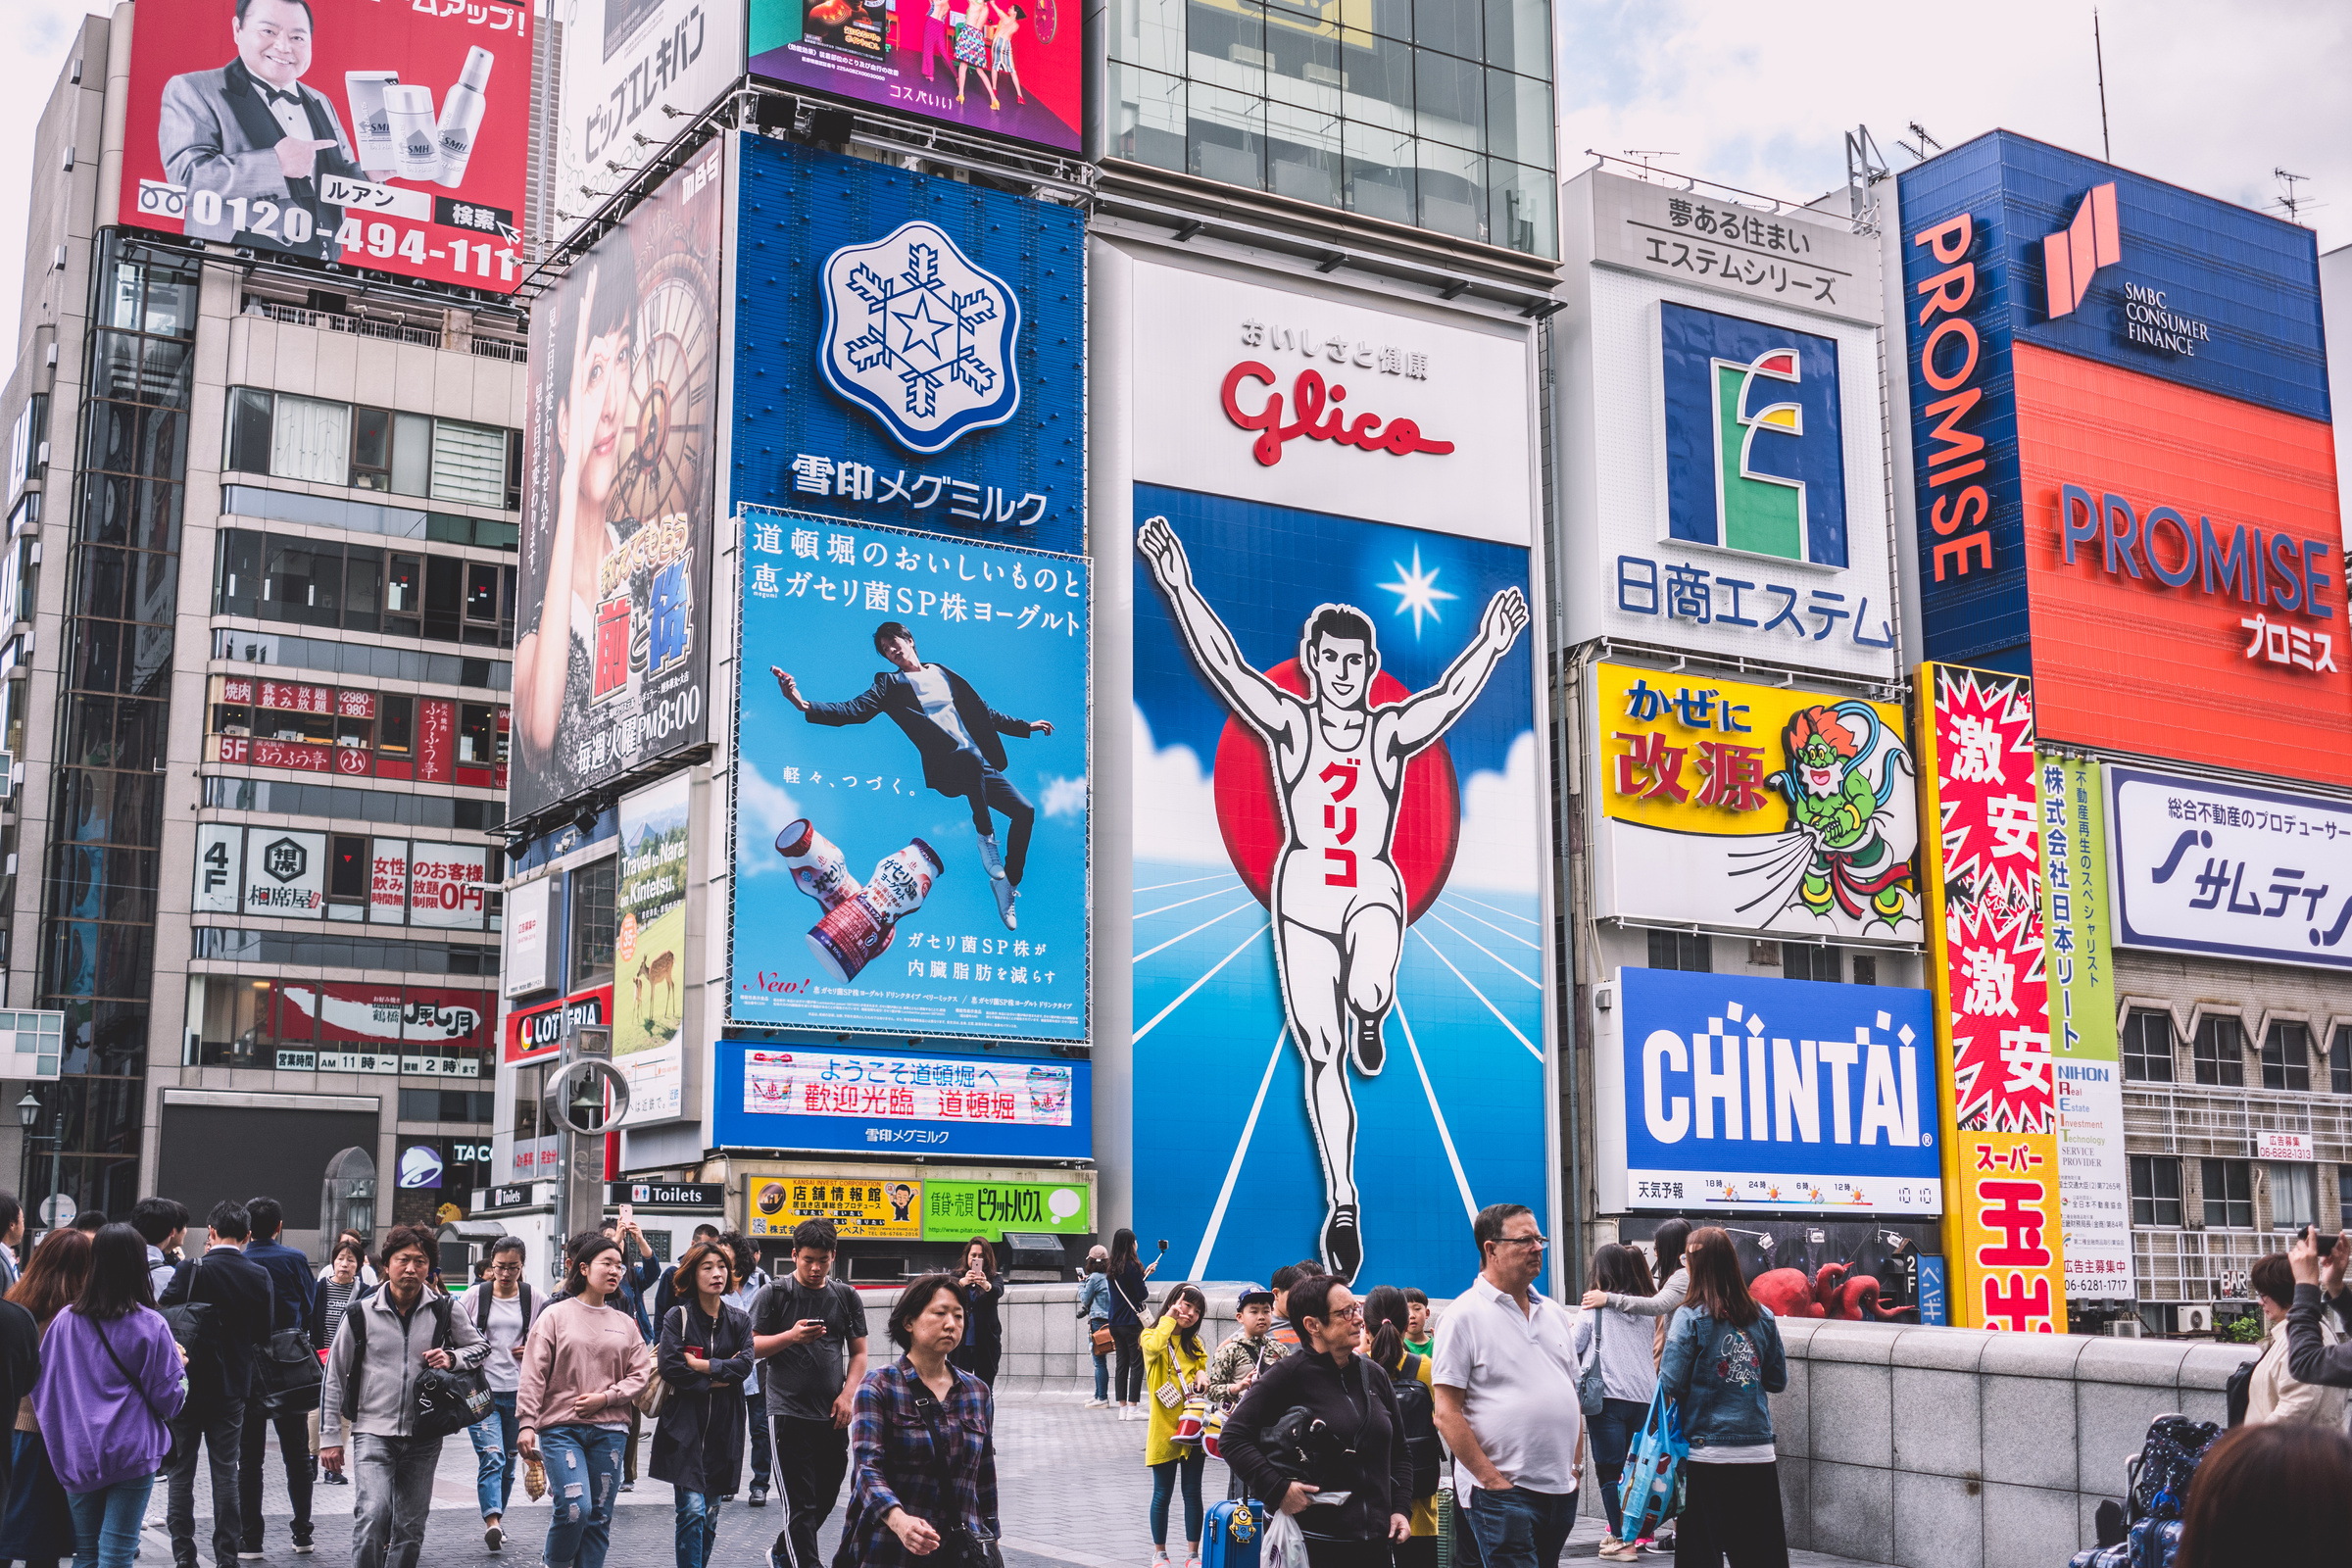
1231, 1539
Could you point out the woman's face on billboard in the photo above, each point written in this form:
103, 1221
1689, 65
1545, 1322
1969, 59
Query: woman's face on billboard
597, 409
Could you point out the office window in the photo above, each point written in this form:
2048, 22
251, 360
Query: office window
2294, 1195
528, 1081
2148, 1045
1681, 949
311, 439
2340, 1061
248, 431
592, 890
2155, 1190
2219, 1051
372, 449
411, 454
2228, 1193
396, 725
2286, 1056
1866, 969
469, 463
1808, 961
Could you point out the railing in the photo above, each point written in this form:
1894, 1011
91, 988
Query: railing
501, 348
2221, 1123
356, 326
2197, 1266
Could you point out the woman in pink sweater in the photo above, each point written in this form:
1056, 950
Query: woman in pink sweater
582, 1368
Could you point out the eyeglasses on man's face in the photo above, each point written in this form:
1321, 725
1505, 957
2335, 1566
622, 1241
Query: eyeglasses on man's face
1537, 1241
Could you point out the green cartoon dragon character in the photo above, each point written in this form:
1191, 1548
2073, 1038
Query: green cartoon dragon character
1841, 812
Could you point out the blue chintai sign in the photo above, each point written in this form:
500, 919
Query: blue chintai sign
909, 351
1781, 1095
828, 1099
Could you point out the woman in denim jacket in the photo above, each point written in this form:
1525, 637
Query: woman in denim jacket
1723, 1355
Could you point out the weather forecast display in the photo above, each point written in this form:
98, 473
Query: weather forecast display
1337, 859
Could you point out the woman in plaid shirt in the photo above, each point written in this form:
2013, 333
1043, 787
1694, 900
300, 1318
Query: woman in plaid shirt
910, 1417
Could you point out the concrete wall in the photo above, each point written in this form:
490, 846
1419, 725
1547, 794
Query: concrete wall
1965, 1448
1046, 1346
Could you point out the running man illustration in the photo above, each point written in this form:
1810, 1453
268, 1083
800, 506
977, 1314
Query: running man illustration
958, 736
1339, 901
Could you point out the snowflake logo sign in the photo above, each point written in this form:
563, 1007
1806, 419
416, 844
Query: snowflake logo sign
920, 337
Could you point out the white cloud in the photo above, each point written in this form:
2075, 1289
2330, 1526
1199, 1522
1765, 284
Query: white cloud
763, 809
1747, 95
1499, 843
1064, 796
1175, 804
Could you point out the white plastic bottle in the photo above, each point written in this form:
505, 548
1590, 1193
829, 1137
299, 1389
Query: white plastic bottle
409, 109
462, 115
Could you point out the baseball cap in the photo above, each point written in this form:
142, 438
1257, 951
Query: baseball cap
1254, 1295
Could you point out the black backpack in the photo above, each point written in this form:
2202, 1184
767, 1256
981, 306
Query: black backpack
1420, 1417
447, 1401
2239, 1391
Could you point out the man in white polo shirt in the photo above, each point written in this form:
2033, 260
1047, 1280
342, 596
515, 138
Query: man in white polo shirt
1506, 1404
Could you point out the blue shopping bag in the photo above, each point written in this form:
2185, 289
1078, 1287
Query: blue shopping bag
1653, 1471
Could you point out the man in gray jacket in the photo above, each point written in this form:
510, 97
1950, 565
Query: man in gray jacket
2318, 1288
369, 1400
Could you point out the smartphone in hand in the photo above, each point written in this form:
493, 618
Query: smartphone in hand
628, 1215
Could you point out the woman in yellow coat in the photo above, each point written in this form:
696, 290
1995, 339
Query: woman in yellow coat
1175, 1369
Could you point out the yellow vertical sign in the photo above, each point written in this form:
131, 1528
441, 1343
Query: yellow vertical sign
1982, 817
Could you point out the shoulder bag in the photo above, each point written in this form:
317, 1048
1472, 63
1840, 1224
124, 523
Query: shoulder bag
171, 1456
1650, 1492
964, 1542
654, 1396
449, 1400
193, 1323
1590, 1388
1143, 1312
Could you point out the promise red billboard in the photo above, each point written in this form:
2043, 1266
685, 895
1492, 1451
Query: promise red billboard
390, 134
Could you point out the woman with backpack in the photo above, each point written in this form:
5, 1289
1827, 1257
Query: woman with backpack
111, 1381
1723, 1355
1334, 1385
1389, 1318
704, 1357
1629, 1376
582, 1368
1176, 1372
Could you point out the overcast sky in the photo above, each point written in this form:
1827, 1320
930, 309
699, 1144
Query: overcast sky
2208, 95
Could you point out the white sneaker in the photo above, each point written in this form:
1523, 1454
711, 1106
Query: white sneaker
991, 857
1006, 893
1096, 1405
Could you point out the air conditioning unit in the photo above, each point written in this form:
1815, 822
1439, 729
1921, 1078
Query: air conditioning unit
2127, 1328
2196, 1317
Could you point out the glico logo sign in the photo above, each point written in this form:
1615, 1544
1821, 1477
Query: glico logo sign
1315, 402
1755, 444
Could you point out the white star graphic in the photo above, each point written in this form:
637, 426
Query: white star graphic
1416, 591
920, 323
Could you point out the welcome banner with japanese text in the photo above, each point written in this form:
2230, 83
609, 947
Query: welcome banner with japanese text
1977, 785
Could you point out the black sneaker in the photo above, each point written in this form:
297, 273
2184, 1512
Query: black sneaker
494, 1538
775, 1560
759, 1497
1343, 1243
1367, 1049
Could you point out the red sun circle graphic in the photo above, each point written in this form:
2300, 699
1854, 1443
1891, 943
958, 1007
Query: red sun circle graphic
1428, 819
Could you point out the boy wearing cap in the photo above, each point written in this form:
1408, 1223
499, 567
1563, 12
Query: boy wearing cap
1240, 1359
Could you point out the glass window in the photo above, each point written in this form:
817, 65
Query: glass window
1225, 45
1808, 961
469, 463
592, 888
396, 724
1149, 128
1302, 62
1866, 969
2340, 1061
444, 597
1525, 217
1150, 33
372, 449
1449, 97
1519, 118
478, 733
248, 431
1377, 79
1225, 136
2219, 1051
2286, 1058
2228, 1193
1379, 174
1519, 36
1448, 25
404, 596
1390, 18
411, 454
1303, 151
347, 869
527, 1083
362, 587
1681, 949
2155, 1190
311, 439
1453, 191
2148, 1045
2294, 1195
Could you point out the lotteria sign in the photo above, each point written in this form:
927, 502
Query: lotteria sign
2123, 467
1785, 1095
536, 1031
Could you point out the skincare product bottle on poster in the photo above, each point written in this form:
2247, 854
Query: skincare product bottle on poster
416, 151
371, 126
462, 115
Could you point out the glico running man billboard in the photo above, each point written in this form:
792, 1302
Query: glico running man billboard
612, 638
380, 135
911, 794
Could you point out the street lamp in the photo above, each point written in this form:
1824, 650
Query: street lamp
28, 1111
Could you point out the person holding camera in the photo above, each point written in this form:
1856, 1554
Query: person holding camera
983, 1288
2318, 1290
924, 1455
1352, 1448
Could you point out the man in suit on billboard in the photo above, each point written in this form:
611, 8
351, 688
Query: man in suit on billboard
959, 738
251, 130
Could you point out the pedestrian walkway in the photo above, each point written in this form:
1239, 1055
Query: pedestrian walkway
1071, 1482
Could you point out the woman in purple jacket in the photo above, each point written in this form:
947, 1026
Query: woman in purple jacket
112, 1379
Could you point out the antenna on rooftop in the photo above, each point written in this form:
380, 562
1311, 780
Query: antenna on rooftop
1921, 145
1643, 155
2292, 204
2099, 50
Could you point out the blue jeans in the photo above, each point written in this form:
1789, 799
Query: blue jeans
1163, 1488
105, 1522
697, 1527
1613, 1434
1519, 1528
494, 1455
1101, 1361
583, 1474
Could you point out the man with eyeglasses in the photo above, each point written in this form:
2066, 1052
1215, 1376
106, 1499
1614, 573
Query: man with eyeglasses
1507, 1404
502, 1308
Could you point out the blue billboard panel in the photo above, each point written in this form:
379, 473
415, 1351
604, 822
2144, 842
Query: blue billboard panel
909, 351
1785, 1095
824, 1099
1338, 1006
916, 705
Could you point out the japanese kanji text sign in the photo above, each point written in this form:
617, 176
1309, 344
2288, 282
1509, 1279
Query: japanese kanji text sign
2229, 871
850, 1102
1978, 791
2095, 1192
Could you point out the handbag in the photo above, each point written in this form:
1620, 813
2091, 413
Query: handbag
1589, 1388
1143, 1313
289, 1373
1651, 1491
964, 1543
1102, 1341
656, 1395
448, 1399
192, 1322
1194, 1421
